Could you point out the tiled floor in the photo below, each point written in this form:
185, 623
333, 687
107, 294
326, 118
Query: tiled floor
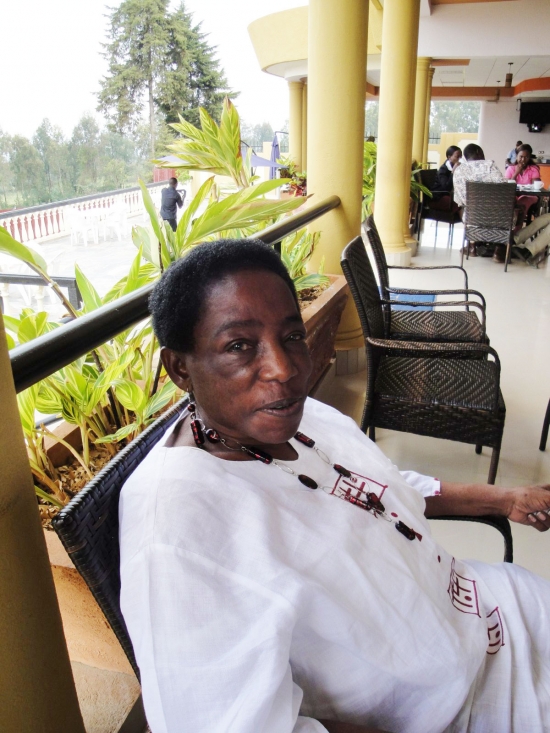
518, 324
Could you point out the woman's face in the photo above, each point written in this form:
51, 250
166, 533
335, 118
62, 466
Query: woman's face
523, 158
455, 157
250, 365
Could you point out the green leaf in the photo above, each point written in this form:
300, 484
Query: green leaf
120, 434
160, 399
9, 341
10, 246
90, 296
47, 497
32, 326
130, 395
26, 402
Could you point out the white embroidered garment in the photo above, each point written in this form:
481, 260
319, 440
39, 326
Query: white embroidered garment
256, 605
483, 171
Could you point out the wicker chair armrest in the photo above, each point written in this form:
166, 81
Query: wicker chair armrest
501, 524
430, 349
433, 267
412, 291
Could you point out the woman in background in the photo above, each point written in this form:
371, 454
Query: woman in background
443, 185
524, 173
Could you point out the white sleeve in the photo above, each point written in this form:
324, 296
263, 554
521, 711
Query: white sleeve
425, 485
212, 647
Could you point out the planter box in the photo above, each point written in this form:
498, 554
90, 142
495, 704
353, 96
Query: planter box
322, 318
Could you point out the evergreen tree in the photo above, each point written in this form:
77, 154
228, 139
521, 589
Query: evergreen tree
158, 60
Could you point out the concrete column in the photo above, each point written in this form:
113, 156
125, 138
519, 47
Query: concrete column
295, 122
420, 97
337, 65
410, 240
37, 691
392, 193
431, 72
304, 126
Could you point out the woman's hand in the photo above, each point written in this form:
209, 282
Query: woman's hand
530, 505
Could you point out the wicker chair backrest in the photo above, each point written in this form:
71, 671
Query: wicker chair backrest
428, 177
378, 252
362, 284
88, 525
489, 210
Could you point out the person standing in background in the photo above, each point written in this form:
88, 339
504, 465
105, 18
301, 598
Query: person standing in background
171, 201
512, 155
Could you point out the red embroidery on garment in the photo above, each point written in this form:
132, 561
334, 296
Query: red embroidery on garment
357, 486
495, 631
463, 593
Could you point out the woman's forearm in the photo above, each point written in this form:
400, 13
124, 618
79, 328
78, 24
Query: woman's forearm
468, 499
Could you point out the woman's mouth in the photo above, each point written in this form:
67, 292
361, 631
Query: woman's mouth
284, 408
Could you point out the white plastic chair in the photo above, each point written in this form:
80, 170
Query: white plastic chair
82, 222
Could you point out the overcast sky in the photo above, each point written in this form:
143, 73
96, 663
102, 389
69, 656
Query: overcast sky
51, 63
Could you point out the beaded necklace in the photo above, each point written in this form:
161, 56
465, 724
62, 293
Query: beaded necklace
371, 503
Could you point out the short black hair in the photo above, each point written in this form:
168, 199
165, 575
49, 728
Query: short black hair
179, 296
473, 152
173, 180
451, 150
519, 143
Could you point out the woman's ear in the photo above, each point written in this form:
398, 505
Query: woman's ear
175, 364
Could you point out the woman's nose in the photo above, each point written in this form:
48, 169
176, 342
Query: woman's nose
277, 363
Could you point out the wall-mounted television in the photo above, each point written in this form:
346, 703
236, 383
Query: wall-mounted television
534, 113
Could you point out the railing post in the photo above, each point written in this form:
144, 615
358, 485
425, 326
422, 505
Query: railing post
37, 691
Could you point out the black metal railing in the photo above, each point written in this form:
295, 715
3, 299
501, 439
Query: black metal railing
46, 354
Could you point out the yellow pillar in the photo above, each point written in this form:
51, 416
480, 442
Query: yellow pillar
337, 54
410, 240
304, 126
421, 94
431, 72
295, 122
392, 193
37, 691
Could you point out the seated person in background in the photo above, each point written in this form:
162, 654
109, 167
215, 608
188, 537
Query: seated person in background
512, 155
476, 168
276, 581
524, 173
443, 185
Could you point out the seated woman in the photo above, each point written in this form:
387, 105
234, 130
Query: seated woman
278, 572
443, 185
524, 173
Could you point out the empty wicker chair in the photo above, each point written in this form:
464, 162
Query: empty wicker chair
429, 389
427, 178
431, 325
489, 215
88, 526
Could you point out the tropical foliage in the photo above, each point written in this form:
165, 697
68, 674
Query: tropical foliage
113, 393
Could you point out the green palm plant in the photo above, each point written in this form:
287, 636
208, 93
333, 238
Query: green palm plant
214, 148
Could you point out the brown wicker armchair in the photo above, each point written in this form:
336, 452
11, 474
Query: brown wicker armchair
447, 325
433, 389
428, 178
489, 215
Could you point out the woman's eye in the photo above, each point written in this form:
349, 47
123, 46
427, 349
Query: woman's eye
239, 346
298, 336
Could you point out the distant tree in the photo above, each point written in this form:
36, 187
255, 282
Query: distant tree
51, 146
454, 117
6, 178
85, 153
255, 135
27, 171
159, 61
